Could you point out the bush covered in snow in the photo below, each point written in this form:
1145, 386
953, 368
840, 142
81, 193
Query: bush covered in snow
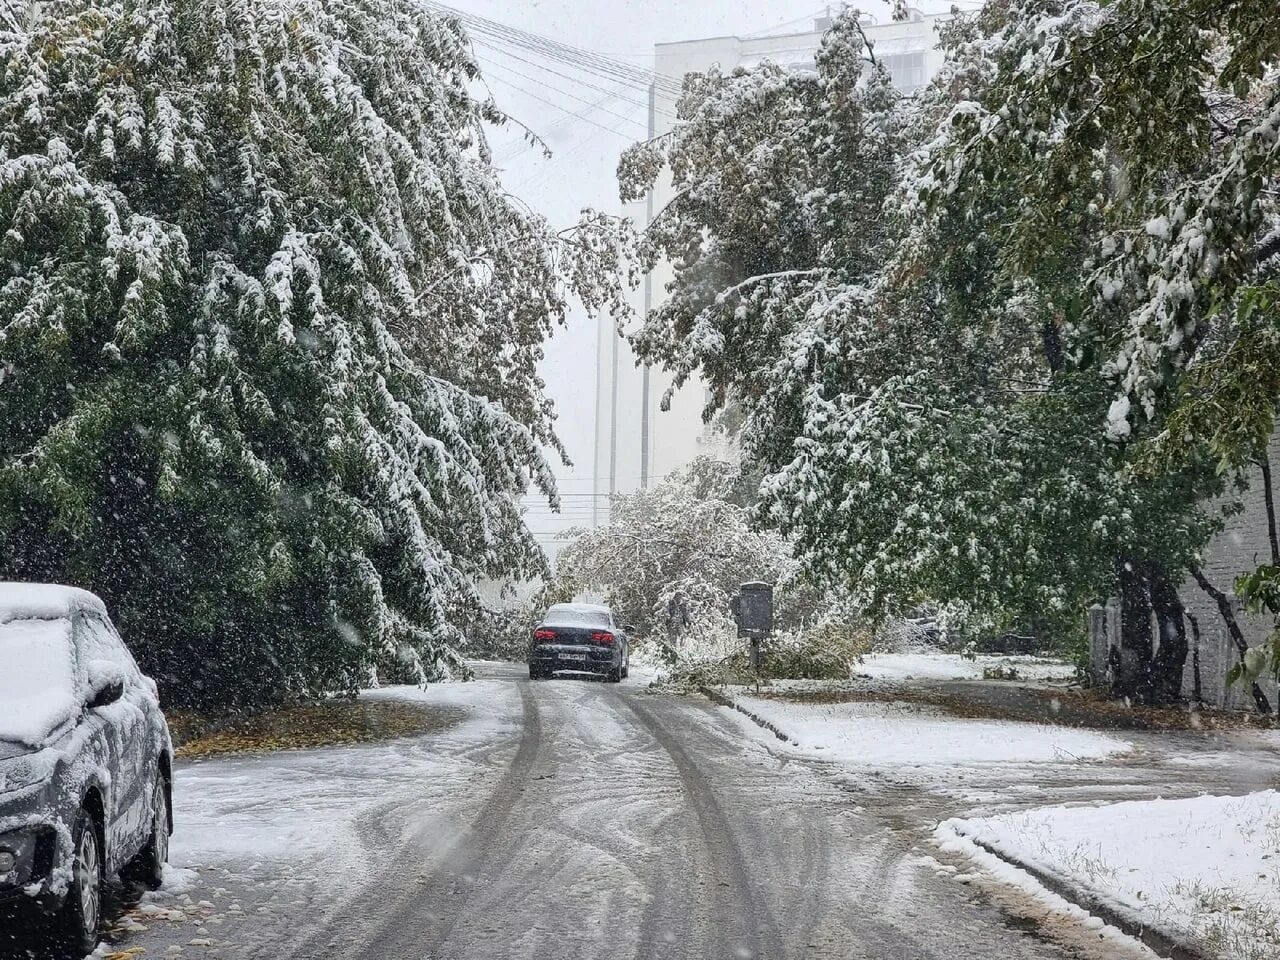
672, 557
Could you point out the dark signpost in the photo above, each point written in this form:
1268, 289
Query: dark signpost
753, 609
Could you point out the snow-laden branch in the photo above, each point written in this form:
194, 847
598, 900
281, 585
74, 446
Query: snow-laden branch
737, 288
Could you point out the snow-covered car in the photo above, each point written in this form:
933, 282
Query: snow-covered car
85, 754
579, 637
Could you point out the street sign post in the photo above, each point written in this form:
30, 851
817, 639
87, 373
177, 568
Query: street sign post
753, 609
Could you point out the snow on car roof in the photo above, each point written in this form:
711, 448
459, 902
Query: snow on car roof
580, 608
44, 601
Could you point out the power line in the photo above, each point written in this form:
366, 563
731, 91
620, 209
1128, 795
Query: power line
520, 149
572, 79
563, 93
556, 159
513, 150
576, 56
809, 17
556, 106
571, 495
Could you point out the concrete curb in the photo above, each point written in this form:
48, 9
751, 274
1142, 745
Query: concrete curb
724, 700
1158, 941
1161, 943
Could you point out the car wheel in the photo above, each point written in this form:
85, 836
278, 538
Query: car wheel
536, 673
614, 675
82, 909
147, 868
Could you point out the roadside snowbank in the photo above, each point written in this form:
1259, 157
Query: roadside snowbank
952, 666
1205, 869
898, 735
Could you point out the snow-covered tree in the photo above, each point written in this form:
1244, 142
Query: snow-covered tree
671, 557
1141, 141
927, 434
779, 179
1146, 136
269, 328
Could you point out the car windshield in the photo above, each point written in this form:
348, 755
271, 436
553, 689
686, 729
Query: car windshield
37, 682
576, 617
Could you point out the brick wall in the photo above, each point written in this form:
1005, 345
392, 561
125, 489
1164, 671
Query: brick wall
1243, 545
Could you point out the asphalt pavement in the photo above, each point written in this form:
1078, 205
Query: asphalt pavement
596, 821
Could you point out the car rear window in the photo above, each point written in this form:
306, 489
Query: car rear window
576, 617
38, 683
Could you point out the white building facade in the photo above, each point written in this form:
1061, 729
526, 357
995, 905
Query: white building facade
637, 443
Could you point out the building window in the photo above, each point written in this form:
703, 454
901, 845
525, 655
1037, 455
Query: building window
906, 70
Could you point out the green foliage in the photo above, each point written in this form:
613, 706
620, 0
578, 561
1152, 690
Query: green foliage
920, 379
1260, 591
1227, 399
269, 329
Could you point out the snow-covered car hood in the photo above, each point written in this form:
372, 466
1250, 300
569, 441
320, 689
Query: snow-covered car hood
9, 750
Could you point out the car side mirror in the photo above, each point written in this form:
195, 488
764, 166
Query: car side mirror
106, 683
629, 627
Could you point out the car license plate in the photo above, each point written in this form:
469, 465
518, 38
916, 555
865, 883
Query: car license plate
581, 657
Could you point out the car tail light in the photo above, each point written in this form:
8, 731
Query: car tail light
544, 636
602, 637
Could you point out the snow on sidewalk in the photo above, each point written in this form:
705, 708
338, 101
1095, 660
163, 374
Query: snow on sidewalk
900, 735
1206, 869
953, 666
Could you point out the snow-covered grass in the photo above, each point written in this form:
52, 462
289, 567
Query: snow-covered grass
302, 805
925, 665
1206, 868
897, 735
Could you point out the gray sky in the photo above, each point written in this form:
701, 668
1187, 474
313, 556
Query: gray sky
564, 106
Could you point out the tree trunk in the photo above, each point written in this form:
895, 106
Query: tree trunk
1233, 628
1171, 658
1197, 690
1269, 498
1132, 674
1051, 337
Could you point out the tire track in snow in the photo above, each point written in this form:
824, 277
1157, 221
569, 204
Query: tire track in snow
405, 910
746, 911
468, 861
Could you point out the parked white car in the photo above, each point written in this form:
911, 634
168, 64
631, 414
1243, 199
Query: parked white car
85, 764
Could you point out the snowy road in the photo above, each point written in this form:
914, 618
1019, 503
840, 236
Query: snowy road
561, 819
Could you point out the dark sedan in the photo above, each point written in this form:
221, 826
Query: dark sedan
579, 638
84, 765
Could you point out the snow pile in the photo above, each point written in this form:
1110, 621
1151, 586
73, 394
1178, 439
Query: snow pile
177, 880
1207, 868
37, 683
896, 736
953, 666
